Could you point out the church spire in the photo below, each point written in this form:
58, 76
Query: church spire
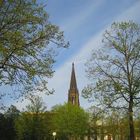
73, 96
73, 84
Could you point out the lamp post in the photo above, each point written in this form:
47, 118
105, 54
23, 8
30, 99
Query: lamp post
54, 134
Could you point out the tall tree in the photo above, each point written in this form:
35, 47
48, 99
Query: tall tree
70, 121
115, 70
27, 50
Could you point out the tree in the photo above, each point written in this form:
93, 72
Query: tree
115, 69
124, 127
12, 112
31, 125
7, 125
37, 105
27, 50
95, 122
137, 124
112, 124
2, 127
70, 121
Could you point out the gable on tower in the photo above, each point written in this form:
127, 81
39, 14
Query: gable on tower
73, 95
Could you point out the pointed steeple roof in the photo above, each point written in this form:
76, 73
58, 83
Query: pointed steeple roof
73, 95
73, 84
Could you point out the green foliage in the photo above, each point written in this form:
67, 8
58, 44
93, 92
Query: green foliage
33, 124
137, 123
115, 70
7, 123
27, 45
96, 116
112, 124
70, 121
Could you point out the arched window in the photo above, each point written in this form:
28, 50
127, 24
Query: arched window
73, 100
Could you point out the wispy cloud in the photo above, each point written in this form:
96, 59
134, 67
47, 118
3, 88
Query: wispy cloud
130, 14
72, 23
60, 81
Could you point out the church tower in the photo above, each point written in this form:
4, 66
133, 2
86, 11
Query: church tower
73, 95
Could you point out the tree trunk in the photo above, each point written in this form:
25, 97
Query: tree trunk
131, 122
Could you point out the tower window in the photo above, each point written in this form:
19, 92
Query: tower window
73, 100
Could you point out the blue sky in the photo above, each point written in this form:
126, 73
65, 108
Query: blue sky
83, 23
82, 19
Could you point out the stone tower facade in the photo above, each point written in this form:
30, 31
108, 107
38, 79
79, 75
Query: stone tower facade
73, 95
